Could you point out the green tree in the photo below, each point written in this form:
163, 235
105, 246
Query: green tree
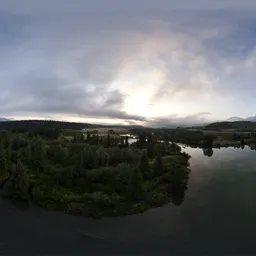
142, 140
108, 141
135, 159
78, 137
8, 155
28, 155
150, 150
126, 141
136, 191
88, 139
4, 174
75, 138
39, 154
158, 165
20, 182
143, 165
102, 157
81, 164
57, 154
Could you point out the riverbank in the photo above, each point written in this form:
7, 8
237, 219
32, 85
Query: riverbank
218, 143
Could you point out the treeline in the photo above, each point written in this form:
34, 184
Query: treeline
89, 177
105, 141
238, 125
178, 135
202, 138
28, 125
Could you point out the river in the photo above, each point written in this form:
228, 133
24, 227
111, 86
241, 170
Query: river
218, 215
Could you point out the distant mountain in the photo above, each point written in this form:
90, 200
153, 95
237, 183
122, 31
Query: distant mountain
231, 125
2, 119
235, 119
252, 118
51, 124
41, 124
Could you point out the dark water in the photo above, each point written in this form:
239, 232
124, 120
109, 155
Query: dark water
217, 216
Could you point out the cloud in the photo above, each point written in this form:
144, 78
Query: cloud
127, 60
61, 6
51, 95
193, 119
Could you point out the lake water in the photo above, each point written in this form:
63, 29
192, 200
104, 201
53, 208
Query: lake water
218, 215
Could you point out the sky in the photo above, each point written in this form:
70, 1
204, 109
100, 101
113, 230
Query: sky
149, 62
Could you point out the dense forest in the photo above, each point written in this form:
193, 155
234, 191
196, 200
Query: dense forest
91, 175
238, 125
25, 125
204, 138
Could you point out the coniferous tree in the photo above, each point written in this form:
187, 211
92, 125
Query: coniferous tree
136, 190
126, 141
81, 164
8, 155
150, 150
108, 141
75, 138
88, 137
135, 159
143, 165
3, 164
158, 165
39, 154
142, 140
20, 182
28, 154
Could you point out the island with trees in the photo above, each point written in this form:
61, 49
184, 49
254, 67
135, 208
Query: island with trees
88, 174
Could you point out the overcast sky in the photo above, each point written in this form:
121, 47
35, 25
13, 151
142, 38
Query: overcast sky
151, 61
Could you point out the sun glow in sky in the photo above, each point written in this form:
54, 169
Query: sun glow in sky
127, 62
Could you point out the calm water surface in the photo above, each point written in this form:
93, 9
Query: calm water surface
217, 216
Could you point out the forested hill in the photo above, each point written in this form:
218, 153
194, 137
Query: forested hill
41, 124
24, 125
231, 125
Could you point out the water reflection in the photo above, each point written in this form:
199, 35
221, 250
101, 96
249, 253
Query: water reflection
217, 217
252, 146
179, 187
208, 151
